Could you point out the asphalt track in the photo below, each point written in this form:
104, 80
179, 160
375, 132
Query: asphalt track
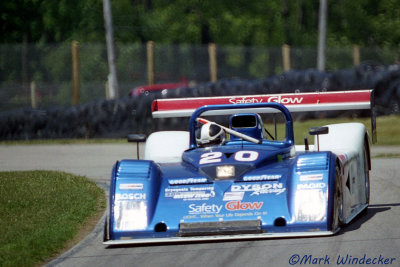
372, 239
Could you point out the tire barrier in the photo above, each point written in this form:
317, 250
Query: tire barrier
117, 118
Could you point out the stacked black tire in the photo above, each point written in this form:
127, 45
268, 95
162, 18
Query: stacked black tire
117, 118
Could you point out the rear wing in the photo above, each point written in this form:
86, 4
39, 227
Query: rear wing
297, 102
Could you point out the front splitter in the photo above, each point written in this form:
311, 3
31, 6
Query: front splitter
216, 238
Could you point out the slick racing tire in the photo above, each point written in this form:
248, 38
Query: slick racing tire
366, 174
106, 234
367, 187
337, 212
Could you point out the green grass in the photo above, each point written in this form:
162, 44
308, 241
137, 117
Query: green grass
388, 128
40, 211
387, 155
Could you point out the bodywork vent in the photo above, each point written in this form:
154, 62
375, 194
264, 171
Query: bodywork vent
311, 162
133, 168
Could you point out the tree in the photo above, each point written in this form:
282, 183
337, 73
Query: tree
241, 22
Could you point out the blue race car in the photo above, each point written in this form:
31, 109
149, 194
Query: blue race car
239, 182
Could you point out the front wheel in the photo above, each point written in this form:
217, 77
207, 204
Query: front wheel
337, 212
106, 234
366, 175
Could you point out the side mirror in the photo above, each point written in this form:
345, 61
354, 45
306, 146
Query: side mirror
136, 138
317, 131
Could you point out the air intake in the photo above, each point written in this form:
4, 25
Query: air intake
220, 228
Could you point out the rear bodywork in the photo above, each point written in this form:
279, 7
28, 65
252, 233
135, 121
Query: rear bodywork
241, 189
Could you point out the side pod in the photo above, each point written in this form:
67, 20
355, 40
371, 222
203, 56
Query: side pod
311, 189
134, 190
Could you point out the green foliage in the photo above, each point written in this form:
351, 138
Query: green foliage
250, 23
259, 63
364, 22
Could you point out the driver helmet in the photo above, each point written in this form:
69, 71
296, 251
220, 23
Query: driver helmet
210, 134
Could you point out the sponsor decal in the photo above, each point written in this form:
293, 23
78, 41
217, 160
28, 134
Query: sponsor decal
285, 100
278, 99
130, 196
187, 181
311, 177
311, 186
170, 190
185, 189
244, 100
131, 186
257, 189
204, 209
237, 205
191, 193
201, 195
187, 217
201, 188
229, 196
264, 177
343, 157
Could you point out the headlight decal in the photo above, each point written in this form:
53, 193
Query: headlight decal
130, 215
310, 205
310, 186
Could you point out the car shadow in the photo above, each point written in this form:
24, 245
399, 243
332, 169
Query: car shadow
365, 215
352, 226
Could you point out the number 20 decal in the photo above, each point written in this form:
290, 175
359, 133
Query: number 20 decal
246, 155
211, 157
243, 156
